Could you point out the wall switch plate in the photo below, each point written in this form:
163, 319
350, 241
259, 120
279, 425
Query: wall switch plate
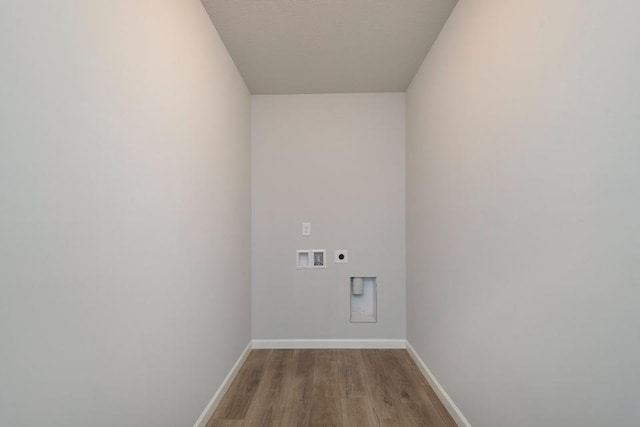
342, 256
306, 229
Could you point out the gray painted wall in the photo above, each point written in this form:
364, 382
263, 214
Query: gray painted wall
124, 213
523, 211
336, 161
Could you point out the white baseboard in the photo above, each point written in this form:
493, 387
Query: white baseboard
374, 343
219, 394
446, 400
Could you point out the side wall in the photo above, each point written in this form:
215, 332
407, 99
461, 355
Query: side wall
125, 213
523, 231
336, 161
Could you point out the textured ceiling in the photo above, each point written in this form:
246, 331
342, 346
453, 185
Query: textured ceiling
328, 46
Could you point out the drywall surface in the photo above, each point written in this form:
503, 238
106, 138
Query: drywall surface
523, 192
336, 161
328, 46
125, 213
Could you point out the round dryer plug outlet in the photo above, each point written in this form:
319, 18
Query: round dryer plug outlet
341, 256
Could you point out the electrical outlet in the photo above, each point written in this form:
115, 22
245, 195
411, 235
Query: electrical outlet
306, 229
319, 258
342, 256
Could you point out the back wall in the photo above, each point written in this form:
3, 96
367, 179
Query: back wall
336, 161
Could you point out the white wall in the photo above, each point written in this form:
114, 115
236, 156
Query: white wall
523, 204
336, 161
125, 213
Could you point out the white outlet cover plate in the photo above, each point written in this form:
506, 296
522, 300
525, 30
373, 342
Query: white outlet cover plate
345, 259
319, 258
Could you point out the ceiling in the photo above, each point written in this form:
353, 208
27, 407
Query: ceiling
328, 46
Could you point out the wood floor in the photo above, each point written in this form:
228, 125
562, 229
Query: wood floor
330, 388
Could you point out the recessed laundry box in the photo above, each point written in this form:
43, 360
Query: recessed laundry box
363, 299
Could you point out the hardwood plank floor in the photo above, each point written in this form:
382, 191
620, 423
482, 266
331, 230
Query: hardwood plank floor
342, 388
